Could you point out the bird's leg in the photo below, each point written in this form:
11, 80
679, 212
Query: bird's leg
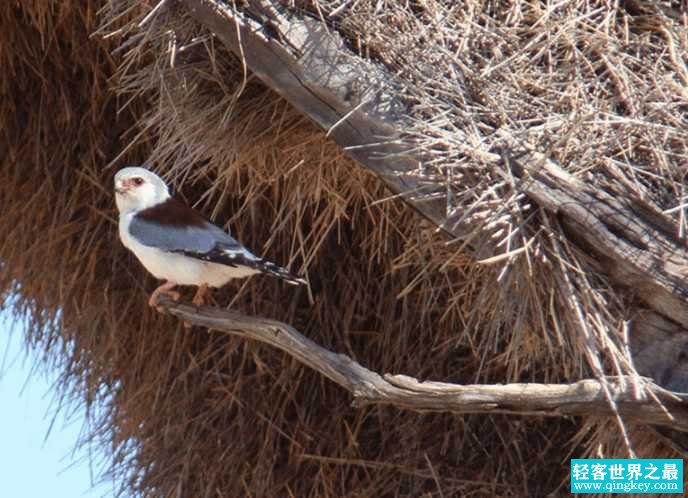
166, 289
199, 298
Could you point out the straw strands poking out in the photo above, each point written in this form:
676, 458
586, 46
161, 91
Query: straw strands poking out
91, 86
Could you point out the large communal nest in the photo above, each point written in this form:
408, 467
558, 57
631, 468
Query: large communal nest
600, 86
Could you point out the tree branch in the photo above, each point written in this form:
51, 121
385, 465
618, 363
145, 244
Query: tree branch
637, 399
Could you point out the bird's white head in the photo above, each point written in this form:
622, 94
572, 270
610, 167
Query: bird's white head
138, 188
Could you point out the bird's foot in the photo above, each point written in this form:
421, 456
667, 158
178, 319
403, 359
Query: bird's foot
164, 289
199, 297
174, 295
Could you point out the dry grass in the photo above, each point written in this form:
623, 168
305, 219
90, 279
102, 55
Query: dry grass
598, 87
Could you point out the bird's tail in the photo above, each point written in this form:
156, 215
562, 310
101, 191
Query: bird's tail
271, 268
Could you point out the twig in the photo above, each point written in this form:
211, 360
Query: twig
585, 397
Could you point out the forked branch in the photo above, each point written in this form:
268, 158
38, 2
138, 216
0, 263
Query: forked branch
637, 399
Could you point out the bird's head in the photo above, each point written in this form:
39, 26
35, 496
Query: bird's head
138, 188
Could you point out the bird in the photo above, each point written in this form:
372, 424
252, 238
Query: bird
175, 243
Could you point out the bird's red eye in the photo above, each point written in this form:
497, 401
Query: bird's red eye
138, 181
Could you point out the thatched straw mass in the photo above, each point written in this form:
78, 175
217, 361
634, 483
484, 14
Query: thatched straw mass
88, 87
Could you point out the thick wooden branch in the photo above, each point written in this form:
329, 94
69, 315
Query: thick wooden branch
633, 243
357, 103
637, 400
353, 100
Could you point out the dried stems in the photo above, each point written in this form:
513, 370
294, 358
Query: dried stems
595, 86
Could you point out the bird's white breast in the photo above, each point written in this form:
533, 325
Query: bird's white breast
175, 267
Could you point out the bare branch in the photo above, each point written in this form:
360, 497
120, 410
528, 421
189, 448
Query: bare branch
652, 405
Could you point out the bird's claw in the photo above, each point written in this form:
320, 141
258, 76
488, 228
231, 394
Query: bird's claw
154, 300
199, 297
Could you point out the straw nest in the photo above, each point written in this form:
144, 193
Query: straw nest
599, 85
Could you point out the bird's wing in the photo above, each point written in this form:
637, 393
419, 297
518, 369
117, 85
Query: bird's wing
189, 234
174, 227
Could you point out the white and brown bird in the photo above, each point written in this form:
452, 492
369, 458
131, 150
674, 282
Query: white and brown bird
176, 243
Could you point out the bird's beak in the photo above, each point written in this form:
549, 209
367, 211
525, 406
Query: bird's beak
122, 187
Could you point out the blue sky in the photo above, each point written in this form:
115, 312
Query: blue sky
37, 460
